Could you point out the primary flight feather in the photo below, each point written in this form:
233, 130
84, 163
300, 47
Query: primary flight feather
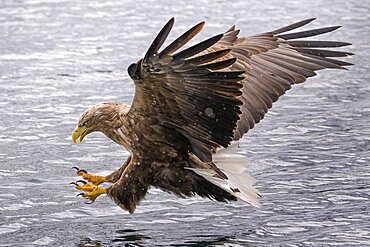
191, 104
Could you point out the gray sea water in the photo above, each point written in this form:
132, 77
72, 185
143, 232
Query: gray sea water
310, 155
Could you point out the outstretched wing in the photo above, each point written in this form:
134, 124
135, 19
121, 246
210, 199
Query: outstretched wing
189, 94
273, 62
216, 91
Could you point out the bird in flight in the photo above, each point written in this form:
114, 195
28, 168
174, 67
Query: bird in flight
192, 105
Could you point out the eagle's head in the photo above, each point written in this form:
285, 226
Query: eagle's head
101, 117
86, 125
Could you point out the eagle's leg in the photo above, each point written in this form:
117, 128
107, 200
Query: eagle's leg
115, 176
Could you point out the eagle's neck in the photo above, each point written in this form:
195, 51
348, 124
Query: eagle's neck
111, 120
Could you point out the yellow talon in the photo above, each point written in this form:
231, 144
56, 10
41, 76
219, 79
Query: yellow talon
93, 190
86, 187
94, 179
97, 191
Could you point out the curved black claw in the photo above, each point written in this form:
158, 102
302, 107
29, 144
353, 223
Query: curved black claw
81, 181
79, 170
80, 194
78, 181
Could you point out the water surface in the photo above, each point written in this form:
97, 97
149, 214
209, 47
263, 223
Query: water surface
310, 155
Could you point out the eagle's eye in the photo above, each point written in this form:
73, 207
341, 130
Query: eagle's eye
83, 124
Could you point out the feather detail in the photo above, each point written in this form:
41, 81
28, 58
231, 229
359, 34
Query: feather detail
233, 165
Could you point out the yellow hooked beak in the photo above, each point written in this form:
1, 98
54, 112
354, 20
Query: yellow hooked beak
78, 134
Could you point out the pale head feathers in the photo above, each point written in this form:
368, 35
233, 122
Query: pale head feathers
103, 117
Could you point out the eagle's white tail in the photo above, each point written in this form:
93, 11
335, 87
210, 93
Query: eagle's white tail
233, 165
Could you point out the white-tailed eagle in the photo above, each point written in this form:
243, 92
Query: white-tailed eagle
191, 103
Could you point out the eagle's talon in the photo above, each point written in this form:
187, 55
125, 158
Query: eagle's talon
85, 186
94, 179
93, 194
79, 172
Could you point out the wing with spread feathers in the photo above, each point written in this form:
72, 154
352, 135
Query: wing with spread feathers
276, 60
191, 92
217, 90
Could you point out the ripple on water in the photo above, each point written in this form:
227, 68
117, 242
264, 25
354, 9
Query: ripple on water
310, 155
43, 241
13, 227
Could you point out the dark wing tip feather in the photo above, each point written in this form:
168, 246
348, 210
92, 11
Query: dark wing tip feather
159, 39
338, 62
191, 51
309, 33
220, 65
182, 40
324, 53
208, 57
293, 26
317, 43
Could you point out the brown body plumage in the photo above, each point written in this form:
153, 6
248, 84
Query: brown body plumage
190, 103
